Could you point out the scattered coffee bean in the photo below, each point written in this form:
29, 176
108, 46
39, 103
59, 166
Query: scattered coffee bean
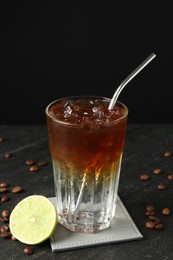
2, 139
42, 163
170, 177
3, 190
29, 162
153, 217
157, 171
28, 250
8, 155
4, 198
144, 177
4, 228
150, 207
34, 168
2, 220
13, 238
6, 234
17, 189
168, 154
159, 226
150, 213
161, 186
5, 213
157, 221
4, 185
166, 211
150, 224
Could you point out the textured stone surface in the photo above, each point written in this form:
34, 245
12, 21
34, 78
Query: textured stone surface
144, 151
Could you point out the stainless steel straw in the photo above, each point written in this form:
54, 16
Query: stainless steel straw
130, 77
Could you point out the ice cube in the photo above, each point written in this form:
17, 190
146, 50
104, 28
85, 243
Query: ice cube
98, 112
67, 112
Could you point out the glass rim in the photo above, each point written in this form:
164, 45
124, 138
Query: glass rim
125, 114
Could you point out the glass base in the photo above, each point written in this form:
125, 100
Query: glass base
82, 223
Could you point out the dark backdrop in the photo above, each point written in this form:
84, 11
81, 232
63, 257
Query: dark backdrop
51, 49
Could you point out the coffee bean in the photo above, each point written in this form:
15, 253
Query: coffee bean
29, 162
17, 189
4, 198
42, 163
150, 207
170, 177
157, 221
150, 213
28, 250
168, 154
153, 217
161, 186
34, 168
8, 155
5, 213
4, 185
6, 234
2, 220
144, 177
159, 226
4, 228
157, 171
13, 238
150, 224
166, 211
2, 139
3, 190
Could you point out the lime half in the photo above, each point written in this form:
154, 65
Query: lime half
33, 219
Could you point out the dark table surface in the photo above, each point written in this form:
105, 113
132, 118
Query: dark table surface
144, 151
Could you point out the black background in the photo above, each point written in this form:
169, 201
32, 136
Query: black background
51, 49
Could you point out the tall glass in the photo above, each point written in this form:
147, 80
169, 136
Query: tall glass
86, 143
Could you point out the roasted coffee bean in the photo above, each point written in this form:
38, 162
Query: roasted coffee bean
144, 177
6, 234
28, 250
2, 139
5, 213
150, 207
4, 185
29, 162
4, 228
17, 189
166, 211
42, 163
4, 198
157, 221
170, 177
157, 171
161, 186
150, 224
2, 220
159, 226
3, 190
8, 155
153, 217
168, 154
34, 168
13, 238
150, 213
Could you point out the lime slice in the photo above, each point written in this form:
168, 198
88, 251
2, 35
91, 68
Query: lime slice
33, 220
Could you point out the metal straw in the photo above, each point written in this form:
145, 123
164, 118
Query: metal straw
130, 77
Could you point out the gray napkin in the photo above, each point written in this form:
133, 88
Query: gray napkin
122, 228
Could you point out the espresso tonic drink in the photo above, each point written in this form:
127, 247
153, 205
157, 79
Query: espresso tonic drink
86, 144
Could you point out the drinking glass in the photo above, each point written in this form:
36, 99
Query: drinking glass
86, 142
